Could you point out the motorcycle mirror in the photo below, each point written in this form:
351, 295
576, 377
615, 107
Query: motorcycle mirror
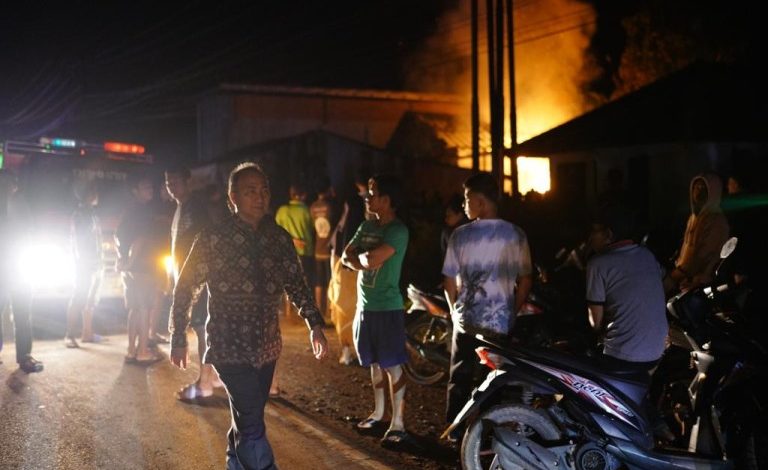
728, 247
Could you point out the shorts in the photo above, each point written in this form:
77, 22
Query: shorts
142, 291
380, 337
322, 272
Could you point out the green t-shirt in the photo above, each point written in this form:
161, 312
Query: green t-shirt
379, 289
295, 219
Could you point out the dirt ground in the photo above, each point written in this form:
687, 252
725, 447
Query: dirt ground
339, 396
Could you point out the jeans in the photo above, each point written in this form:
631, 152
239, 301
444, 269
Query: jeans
20, 302
466, 372
248, 390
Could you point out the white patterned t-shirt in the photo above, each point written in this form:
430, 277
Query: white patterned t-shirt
486, 257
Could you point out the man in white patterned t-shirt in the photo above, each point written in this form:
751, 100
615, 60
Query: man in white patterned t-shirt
487, 271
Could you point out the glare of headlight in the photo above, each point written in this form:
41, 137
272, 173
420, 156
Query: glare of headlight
45, 266
168, 264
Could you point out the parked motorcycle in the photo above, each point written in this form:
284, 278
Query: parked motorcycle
543, 409
429, 329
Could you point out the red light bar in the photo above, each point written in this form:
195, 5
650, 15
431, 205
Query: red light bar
118, 147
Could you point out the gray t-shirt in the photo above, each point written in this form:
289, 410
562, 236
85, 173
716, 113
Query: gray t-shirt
626, 281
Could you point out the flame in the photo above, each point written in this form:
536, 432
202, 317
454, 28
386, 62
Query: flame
551, 41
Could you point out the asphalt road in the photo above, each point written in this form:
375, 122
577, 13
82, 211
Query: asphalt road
88, 410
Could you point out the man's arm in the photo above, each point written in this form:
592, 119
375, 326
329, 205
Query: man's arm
451, 290
191, 279
524, 284
375, 258
595, 316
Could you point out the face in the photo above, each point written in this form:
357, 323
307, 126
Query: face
733, 186
250, 196
599, 237
144, 191
176, 186
452, 218
472, 204
699, 192
374, 201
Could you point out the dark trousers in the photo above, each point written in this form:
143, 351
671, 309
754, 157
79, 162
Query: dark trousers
248, 390
20, 303
465, 374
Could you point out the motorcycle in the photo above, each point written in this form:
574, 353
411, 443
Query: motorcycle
543, 409
429, 328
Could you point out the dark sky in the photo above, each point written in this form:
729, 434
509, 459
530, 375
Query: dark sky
132, 70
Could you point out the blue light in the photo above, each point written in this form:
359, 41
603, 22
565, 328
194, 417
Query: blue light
69, 143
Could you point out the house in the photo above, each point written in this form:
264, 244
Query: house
706, 117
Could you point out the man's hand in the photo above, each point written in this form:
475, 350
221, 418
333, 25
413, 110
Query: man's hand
179, 357
319, 343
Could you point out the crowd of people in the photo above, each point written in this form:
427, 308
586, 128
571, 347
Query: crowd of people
342, 260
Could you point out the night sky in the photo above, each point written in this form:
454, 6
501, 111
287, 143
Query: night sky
133, 70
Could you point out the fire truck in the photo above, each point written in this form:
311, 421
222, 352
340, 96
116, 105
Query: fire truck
49, 171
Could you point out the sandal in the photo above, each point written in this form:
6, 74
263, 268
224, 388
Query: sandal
398, 440
192, 393
148, 361
94, 339
71, 343
129, 359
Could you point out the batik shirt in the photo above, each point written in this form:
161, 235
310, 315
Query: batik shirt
487, 257
246, 272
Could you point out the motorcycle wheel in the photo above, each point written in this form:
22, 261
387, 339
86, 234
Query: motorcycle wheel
476, 450
418, 369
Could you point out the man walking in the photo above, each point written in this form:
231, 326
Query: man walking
246, 263
190, 217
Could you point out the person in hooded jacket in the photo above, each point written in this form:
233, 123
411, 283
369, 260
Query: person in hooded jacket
705, 233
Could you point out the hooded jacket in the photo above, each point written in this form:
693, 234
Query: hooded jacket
705, 233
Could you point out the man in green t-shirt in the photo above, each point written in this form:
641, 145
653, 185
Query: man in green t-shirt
377, 251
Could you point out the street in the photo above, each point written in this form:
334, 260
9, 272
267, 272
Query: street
89, 410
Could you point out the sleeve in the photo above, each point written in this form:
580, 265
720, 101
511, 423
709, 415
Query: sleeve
191, 281
524, 256
280, 217
705, 249
295, 283
595, 285
451, 262
396, 236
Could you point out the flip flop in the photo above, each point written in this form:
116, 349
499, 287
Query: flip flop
129, 359
191, 394
95, 339
152, 359
398, 440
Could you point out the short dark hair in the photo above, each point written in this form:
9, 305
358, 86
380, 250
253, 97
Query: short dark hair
619, 219
392, 187
456, 203
181, 170
243, 168
485, 184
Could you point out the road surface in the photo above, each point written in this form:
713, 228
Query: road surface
89, 410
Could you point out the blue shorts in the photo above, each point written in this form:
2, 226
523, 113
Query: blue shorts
380, 337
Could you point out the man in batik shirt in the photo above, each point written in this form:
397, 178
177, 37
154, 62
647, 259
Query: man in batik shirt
246, 262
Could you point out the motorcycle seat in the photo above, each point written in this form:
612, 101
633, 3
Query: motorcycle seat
591, 367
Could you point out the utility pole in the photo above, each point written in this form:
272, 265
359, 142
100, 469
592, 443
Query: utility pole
512, 154
475, 92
